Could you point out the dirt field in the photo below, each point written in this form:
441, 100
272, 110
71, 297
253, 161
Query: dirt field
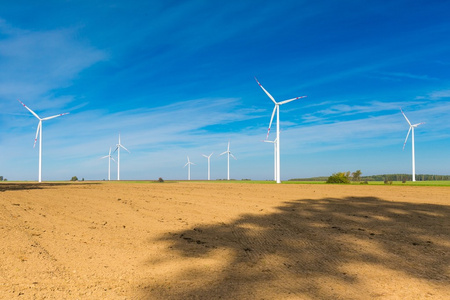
191, 240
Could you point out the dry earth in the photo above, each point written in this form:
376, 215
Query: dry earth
191, 240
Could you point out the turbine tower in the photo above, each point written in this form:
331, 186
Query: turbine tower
189, 163
209, 165
274, 142
39, 132
109, 163
118, 146
411, 129
228, 160
277, 110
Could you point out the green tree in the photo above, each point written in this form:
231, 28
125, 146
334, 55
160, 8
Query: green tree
340, 177
356, 176
74, 178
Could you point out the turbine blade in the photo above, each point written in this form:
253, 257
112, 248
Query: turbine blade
405, 117
290, 100
52, 117
204, 155
271, 119
233, 156
406, 138
37, 133
116, 149
415, 125
29, 109
104, 157
223, 153
124, 148
270, 96
113, 159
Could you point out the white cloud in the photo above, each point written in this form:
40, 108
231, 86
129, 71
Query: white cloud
436, 95
34, 63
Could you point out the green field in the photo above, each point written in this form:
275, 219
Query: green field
394, 183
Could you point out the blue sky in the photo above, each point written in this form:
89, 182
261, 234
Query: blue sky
176, 78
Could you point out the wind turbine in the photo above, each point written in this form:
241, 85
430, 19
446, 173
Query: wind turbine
277, 110
229, 153
411, 129
39, 132
118, 146
209, 165
274, 142
189, 163
109, 162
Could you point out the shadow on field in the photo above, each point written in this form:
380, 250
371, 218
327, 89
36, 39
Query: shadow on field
17, 186
305, 243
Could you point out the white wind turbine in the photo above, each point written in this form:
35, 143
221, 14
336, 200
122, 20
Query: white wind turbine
228, 163
109, 162
189, 163
39, 132
277, 109
411, 129
209, 165
118, 146
274, 142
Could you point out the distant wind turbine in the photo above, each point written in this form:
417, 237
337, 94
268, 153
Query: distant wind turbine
228, 159
109, 162
411, 129
277, 110
209, 165
118, 146
189, 163
39, 132
274, 142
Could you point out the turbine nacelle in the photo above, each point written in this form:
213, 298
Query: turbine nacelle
188, 162
207, 156
277, 104
411, 127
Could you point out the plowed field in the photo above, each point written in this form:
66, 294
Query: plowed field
218, 240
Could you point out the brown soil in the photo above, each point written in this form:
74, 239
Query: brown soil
191, 240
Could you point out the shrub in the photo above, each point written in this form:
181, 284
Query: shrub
339, 177
387, 182
74, 178
160, 179
364, 182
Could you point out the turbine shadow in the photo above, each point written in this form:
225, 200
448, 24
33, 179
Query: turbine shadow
297, 250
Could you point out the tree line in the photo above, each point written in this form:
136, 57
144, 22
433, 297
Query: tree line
356, 176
